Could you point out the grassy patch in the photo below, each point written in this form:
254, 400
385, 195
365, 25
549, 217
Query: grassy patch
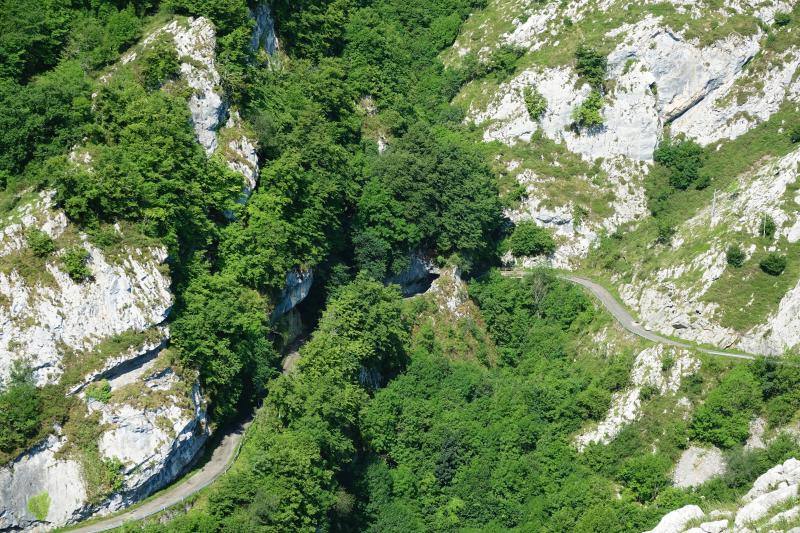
39, 506
101, 476
99, 391
565, 175
78, 364
748, 295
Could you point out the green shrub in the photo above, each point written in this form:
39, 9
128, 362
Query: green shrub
648, 392
593, 402
683, 159
75, 263
39, 506
591, 65
645, 475
724, 420
735, 256
528, 239
794, 135
535, 103
105, 237
503, 61
773, 264
665, 229
781, 409
160, 63
20, 409
587, 114
703, 180
782, 18
40, 243
100, 391
767, 227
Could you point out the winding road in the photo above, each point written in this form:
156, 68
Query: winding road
225, 453
625, 319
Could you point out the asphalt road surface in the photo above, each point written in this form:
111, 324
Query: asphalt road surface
625, 319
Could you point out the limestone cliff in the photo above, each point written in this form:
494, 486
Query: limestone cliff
668, 74
102, 333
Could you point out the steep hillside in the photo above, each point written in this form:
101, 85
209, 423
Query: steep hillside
85, 316
723, 75
192, 189
128, 419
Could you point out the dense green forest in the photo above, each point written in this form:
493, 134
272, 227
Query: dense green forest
323, 199
390, 422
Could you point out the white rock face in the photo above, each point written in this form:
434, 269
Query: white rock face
759, 507
778, 476
773, 488
538, 26
450, 293
38, 214
37, 319
264, 31
240, 154
298, 285
683, 73
155, 444
790, 514
647, 371
676, 520
34, 473
755, 439
658, 76
198, 43
714, 118
698, 465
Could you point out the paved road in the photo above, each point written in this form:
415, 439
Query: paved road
625, 319
220, 461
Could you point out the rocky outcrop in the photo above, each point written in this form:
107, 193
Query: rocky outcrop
676, 520
155, 440
196, 46
762, 508
648, 371
40, 318
698, 465
657, 77
417, 277
25, 478
154, 445
154, 421
656, 80
264, 37
195, 43
451, 295
240, 152
298, 285
723, 116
